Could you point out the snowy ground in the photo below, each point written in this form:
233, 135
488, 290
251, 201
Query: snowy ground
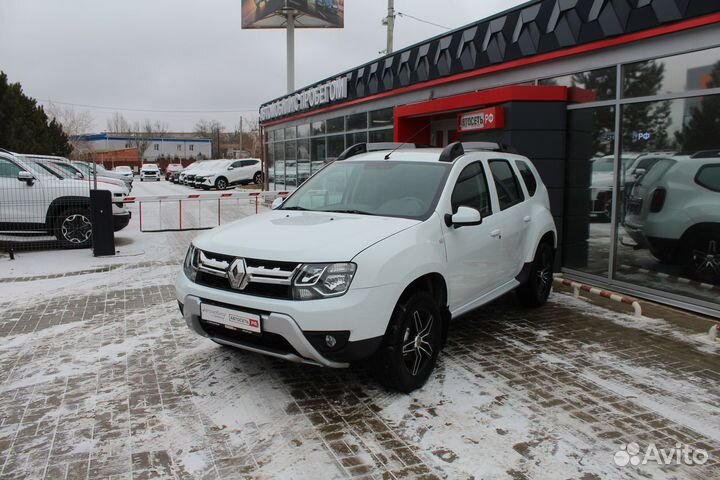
100, 377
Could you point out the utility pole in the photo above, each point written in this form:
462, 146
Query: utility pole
290, 15
390, 26
241, 139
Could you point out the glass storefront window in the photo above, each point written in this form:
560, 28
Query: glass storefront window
679, 73
303, 155
591, 86
381, 118
668, 228
385, 135
588, 190
290, 133
303, 130
335, 146
357, 121
355, 137
317, 149
279, 135
318, 128
336, 125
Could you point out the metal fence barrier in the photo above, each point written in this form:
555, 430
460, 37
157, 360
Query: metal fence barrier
202, 211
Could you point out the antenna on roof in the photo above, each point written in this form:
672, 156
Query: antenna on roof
387, 157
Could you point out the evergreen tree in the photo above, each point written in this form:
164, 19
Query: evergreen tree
700, 131
640, 119
24, 126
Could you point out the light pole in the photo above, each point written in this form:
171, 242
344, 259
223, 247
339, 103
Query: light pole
290, 16
390, 26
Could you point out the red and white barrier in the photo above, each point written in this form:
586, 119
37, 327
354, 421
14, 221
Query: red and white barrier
204, 196
578, 287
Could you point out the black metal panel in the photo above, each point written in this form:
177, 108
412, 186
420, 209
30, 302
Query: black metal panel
539, 27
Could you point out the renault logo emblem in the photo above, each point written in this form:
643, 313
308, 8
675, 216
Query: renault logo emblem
237, 274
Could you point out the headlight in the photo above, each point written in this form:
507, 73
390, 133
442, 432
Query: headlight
190, 265
322, 280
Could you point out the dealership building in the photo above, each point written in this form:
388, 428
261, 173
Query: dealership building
608, 98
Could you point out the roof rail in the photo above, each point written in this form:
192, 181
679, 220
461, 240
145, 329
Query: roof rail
455, 149
706, 154
359, 148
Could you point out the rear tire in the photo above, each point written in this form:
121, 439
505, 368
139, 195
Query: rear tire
411, 344
257, 178
536, 290
73, 228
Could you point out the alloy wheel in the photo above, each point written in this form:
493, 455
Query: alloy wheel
706, 261
76, 229
221, 184
544, 273
417, 350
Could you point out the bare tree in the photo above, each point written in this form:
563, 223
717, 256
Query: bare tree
211, 129
141, 134
117, 123
74, 123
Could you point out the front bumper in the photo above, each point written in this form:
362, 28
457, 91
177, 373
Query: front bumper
121, 221
363, 312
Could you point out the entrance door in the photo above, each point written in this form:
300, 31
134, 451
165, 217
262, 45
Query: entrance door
443, 132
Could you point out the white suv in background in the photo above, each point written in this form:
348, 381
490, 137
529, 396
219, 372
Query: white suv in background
149, 171
36, 198
372, 256
674, 211
224, 174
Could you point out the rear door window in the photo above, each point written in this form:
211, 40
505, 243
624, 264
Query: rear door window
709, 177
506, 184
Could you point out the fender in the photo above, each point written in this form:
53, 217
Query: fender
61, 203
541, 224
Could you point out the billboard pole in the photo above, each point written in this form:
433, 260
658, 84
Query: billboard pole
390, 26
290, 15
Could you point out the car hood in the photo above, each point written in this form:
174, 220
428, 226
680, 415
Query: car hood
292, 236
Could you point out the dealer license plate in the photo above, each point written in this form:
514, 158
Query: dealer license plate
232, 319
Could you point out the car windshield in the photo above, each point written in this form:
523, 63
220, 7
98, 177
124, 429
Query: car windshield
656, 171
36, 168
122, 169
68, 169
385, 188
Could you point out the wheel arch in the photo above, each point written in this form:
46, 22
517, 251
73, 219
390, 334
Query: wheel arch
61, 204
693, 230
434, 283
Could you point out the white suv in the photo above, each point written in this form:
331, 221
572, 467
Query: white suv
372, 256
228, 173
150, 171
674, 211
34, 197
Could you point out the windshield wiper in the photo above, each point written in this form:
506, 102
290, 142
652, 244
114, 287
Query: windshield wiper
357, 212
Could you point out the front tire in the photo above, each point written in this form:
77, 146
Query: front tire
73, 228
702, 257
411, 344
257, 178
221, 183
536, 289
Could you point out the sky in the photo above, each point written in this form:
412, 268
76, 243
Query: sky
179, 61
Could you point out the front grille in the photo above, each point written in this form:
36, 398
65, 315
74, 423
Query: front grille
265, 341
265, 278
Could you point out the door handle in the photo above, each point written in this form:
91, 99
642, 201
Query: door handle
495, 233
526, 218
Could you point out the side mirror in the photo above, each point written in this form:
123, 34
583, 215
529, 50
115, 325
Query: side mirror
25, 176
465, 216
277, 202
79, 175
231, 167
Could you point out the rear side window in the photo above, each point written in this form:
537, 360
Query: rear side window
709, 177
506, 183
527, 177
471, 190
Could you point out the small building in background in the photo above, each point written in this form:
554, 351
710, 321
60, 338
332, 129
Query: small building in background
162, 148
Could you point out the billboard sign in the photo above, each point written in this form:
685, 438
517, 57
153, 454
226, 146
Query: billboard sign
308, 13
485, 119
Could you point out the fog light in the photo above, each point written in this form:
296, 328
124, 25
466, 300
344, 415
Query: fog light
330, 341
